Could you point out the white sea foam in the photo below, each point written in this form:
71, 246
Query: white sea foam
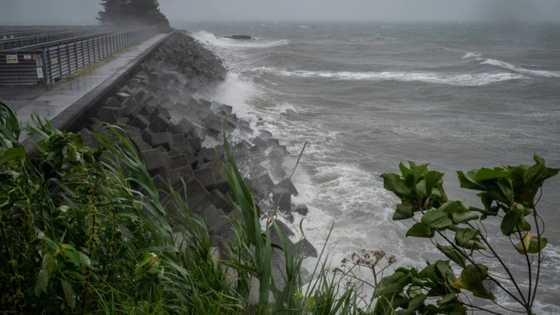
471, 54
511, 67
462, 79
222, 42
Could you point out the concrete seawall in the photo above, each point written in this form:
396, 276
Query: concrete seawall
179, 134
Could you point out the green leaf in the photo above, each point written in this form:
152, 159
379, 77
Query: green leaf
403, 211
15, 154
510, 221
414, 304
69, 294
42, 282
472, 278
393, 284
458, 212
420, 230
531, 244
452, 254
394, 183
468, 238
437, 219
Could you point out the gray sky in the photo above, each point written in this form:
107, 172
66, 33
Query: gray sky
84, 11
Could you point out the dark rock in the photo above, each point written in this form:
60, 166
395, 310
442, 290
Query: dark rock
240, 37
305, 248
288, 185
301, 209
282, 199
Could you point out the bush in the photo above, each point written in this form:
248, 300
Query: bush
82, 230
508, 193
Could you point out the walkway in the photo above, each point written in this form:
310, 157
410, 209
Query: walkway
66, 100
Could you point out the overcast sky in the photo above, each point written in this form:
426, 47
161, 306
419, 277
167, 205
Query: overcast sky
84, 11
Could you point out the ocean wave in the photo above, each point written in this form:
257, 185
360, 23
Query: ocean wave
463, 79
216, 41
511, 67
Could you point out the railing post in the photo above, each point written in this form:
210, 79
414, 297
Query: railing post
59, 58
45, 65
76, 56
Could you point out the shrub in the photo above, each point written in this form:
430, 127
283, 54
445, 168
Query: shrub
508, 193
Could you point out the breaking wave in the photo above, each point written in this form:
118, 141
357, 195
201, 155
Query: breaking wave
464, 79
511, 67
217, 41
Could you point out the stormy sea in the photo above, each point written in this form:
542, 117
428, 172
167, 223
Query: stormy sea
367, 96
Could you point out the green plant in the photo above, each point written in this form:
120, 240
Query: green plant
83, 230
509, 193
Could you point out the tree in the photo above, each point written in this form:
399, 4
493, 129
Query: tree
132, 13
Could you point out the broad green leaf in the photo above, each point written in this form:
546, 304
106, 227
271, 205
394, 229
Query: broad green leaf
403, 211
472, 279
468, 238
437, 219
531, 244
394, 183
458, 212
394, 283
420, 230
452, 254
42, 282
510, 222
414, 304
69, 294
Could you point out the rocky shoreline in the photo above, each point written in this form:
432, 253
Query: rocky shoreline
179, 135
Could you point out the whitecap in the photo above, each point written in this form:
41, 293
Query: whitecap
476, 56
460, 79
514, 68
470, 55
211, 39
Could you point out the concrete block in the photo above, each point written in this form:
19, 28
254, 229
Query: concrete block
164, 139
221, 201
159, 123
139, 121
155, 159
109, 114
122, 96
113, 102
184, 173
212, 177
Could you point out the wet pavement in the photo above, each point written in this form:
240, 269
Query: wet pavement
49, 102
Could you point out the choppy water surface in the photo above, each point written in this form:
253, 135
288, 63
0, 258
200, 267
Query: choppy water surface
367, 96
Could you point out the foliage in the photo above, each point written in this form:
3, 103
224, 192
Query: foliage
82, 230
132, 13
509, 193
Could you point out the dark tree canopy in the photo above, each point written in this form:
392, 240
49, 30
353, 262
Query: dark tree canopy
132, 13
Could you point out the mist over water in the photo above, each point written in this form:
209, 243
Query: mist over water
366, 96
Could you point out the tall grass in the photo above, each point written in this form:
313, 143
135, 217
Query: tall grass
83, 230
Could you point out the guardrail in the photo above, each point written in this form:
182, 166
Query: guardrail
47, 63
33, 39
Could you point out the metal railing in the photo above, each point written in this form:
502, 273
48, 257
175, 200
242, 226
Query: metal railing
22, 41
49, 62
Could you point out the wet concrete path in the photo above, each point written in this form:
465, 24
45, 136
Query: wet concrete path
65, 100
